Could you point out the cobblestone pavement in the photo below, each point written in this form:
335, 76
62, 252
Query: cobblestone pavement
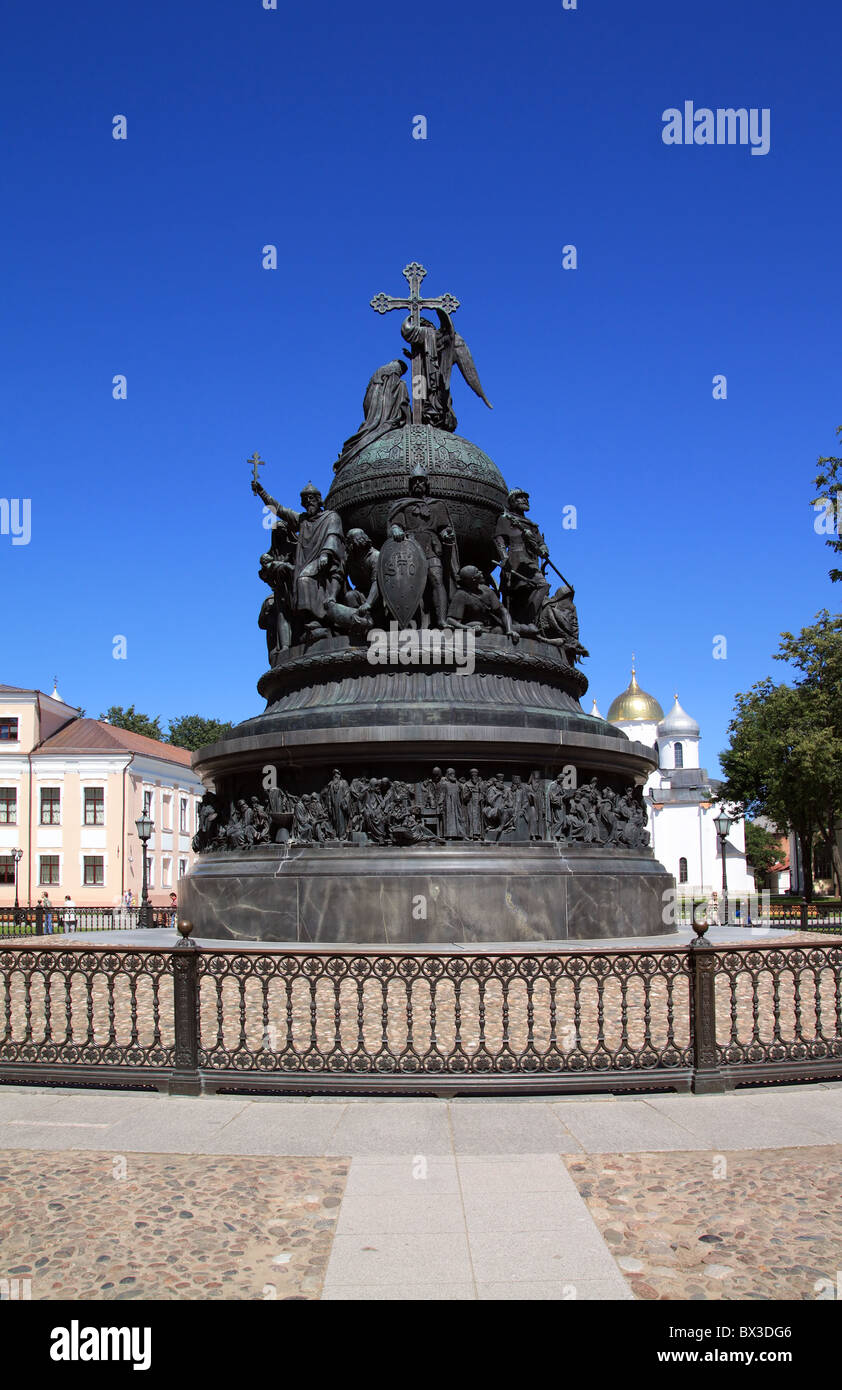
167, 1226
752, 1224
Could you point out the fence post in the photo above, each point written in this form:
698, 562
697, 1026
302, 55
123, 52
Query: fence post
707, 1079
185, 1079
804, 917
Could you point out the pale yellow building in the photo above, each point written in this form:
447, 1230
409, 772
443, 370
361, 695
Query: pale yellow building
71, 790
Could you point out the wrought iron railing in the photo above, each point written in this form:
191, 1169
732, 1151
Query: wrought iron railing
58, 921
440, 1021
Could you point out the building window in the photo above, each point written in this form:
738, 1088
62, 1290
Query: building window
95, 806
8, 729
182, 867
150, 872
147, 803
682, 870
166, 869
7, 868
679, 755
182, 815
8, 806
166, 812
93, 875
51, 805
48, 869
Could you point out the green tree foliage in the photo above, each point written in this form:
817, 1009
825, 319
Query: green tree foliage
763, 849
816, 652
135, 722
829, 482
785, 756
192, 731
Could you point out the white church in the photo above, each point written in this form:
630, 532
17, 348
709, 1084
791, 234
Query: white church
680, 798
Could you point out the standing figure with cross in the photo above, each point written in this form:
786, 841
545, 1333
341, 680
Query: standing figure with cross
433, 351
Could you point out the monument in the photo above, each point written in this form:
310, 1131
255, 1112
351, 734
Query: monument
423, 771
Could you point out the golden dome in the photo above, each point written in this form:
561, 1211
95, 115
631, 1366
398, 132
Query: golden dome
634, 703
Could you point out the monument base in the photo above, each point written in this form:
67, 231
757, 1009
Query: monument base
471, 893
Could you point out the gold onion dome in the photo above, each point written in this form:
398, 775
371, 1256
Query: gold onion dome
634, 703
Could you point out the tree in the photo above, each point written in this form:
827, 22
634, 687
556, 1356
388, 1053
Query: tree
134, 722
817, 653
785, 757
763, 849
193, 731
829, 481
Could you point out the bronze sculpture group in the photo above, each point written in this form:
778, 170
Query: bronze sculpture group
327, 584
440, 809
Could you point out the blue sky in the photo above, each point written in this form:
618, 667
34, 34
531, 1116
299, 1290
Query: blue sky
293, 127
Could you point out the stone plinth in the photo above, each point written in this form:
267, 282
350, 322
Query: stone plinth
386, 896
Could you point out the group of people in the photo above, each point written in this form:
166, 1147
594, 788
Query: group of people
325, 583
54, 917
439, 808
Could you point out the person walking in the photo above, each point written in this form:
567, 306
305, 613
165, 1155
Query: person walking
48, 915
69, 913
173, 909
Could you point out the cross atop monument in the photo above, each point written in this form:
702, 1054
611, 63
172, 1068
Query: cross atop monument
382, 303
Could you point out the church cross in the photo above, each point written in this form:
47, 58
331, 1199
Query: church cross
256, 462
382, 303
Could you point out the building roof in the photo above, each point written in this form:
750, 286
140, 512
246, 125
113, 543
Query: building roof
678, 722
96, 736
24, 690
633, 704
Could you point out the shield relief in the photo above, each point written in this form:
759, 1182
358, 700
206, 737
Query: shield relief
402, 577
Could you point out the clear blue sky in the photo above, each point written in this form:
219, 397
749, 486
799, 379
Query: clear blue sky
293, 127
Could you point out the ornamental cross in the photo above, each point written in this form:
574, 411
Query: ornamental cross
382, 303
256, 462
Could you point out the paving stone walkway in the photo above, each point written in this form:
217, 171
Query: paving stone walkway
662, 1196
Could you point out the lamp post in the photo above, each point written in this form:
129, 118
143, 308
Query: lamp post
723, 825
144, 830
17, 855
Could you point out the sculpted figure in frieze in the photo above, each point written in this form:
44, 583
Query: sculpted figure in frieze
450, 807
472, 792
210, 823
539, 801
558, 798
497, 806
337, 801
260, 821
375, 822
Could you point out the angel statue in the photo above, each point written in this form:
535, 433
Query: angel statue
438, 349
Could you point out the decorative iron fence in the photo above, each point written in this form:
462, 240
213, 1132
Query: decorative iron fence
58, 921
444, 1021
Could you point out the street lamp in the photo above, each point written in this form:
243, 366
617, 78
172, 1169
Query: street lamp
17, 855
144, 830
723, 825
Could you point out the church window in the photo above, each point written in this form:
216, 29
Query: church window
679, 755
682, 869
